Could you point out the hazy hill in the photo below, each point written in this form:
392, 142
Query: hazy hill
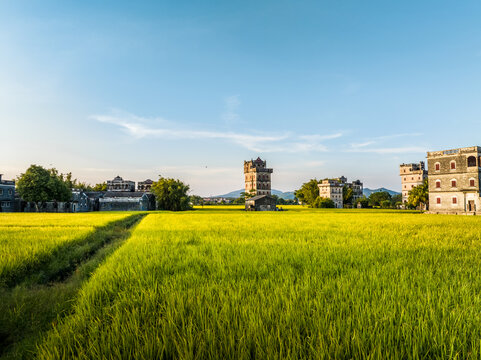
368, 191
237, 193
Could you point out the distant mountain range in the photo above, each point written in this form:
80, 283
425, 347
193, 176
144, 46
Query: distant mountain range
368, 191
288, 195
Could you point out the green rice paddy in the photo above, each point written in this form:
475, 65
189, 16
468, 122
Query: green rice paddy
303, 283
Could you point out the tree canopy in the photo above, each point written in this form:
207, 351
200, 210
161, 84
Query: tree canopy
376, 198
322, 202
419, 195
171, 194
38, 184
308, 193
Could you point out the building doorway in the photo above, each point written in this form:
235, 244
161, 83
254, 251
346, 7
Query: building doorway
471, 206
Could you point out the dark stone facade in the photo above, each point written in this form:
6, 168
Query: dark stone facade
261, 203
127, 201
7, 195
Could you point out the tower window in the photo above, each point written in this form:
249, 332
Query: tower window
438, 184
453, 183
455, 200
453, 165
471, 182
438, 200
472, 161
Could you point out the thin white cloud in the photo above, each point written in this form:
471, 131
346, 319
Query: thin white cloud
231, 108
287, 142
390, 150
369, 146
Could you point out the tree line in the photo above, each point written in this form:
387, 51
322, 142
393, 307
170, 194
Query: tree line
39, 185
309, 194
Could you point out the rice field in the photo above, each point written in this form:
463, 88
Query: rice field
28, 239
314, 283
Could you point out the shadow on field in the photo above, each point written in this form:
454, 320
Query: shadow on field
33, 299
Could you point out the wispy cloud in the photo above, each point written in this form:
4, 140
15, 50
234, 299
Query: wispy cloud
136, 127
377, 145
390, 150
231, 108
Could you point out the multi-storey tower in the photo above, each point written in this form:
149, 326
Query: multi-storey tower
454, 177
257, 177
412, 175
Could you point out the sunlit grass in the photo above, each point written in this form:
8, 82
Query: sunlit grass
26, 239
294, 284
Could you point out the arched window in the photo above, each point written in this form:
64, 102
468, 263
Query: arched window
453, 165
438, 184
472, 161
453, 183
437, 166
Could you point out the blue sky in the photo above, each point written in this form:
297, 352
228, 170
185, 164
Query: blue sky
191, 89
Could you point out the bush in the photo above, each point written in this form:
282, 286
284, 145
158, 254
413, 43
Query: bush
324, 203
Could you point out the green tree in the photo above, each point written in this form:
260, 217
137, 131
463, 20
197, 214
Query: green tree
59, 188
308, 193
171, 194
347, 194
196, 200
38, 185
364, 201
386, 204
396, 199
419, 196
376, 198
325, 203
100, 187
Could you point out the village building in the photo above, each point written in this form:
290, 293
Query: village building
127, 201
7, 195
333, 189
412, 175
261, 203
453, 179
257, 179
119, 184
144, 185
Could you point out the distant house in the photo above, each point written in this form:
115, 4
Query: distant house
127, 201
412, 175
333, 189
119, 184
261, 203
83, 201
144, 185
7, 195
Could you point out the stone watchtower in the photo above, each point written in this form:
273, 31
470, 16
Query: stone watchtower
257, 177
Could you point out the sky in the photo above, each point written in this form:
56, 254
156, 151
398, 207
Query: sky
191, 89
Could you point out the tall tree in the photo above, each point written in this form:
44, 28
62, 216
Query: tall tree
376, 198
419, 196
308, 192
171, 194
39, 185
347, 194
